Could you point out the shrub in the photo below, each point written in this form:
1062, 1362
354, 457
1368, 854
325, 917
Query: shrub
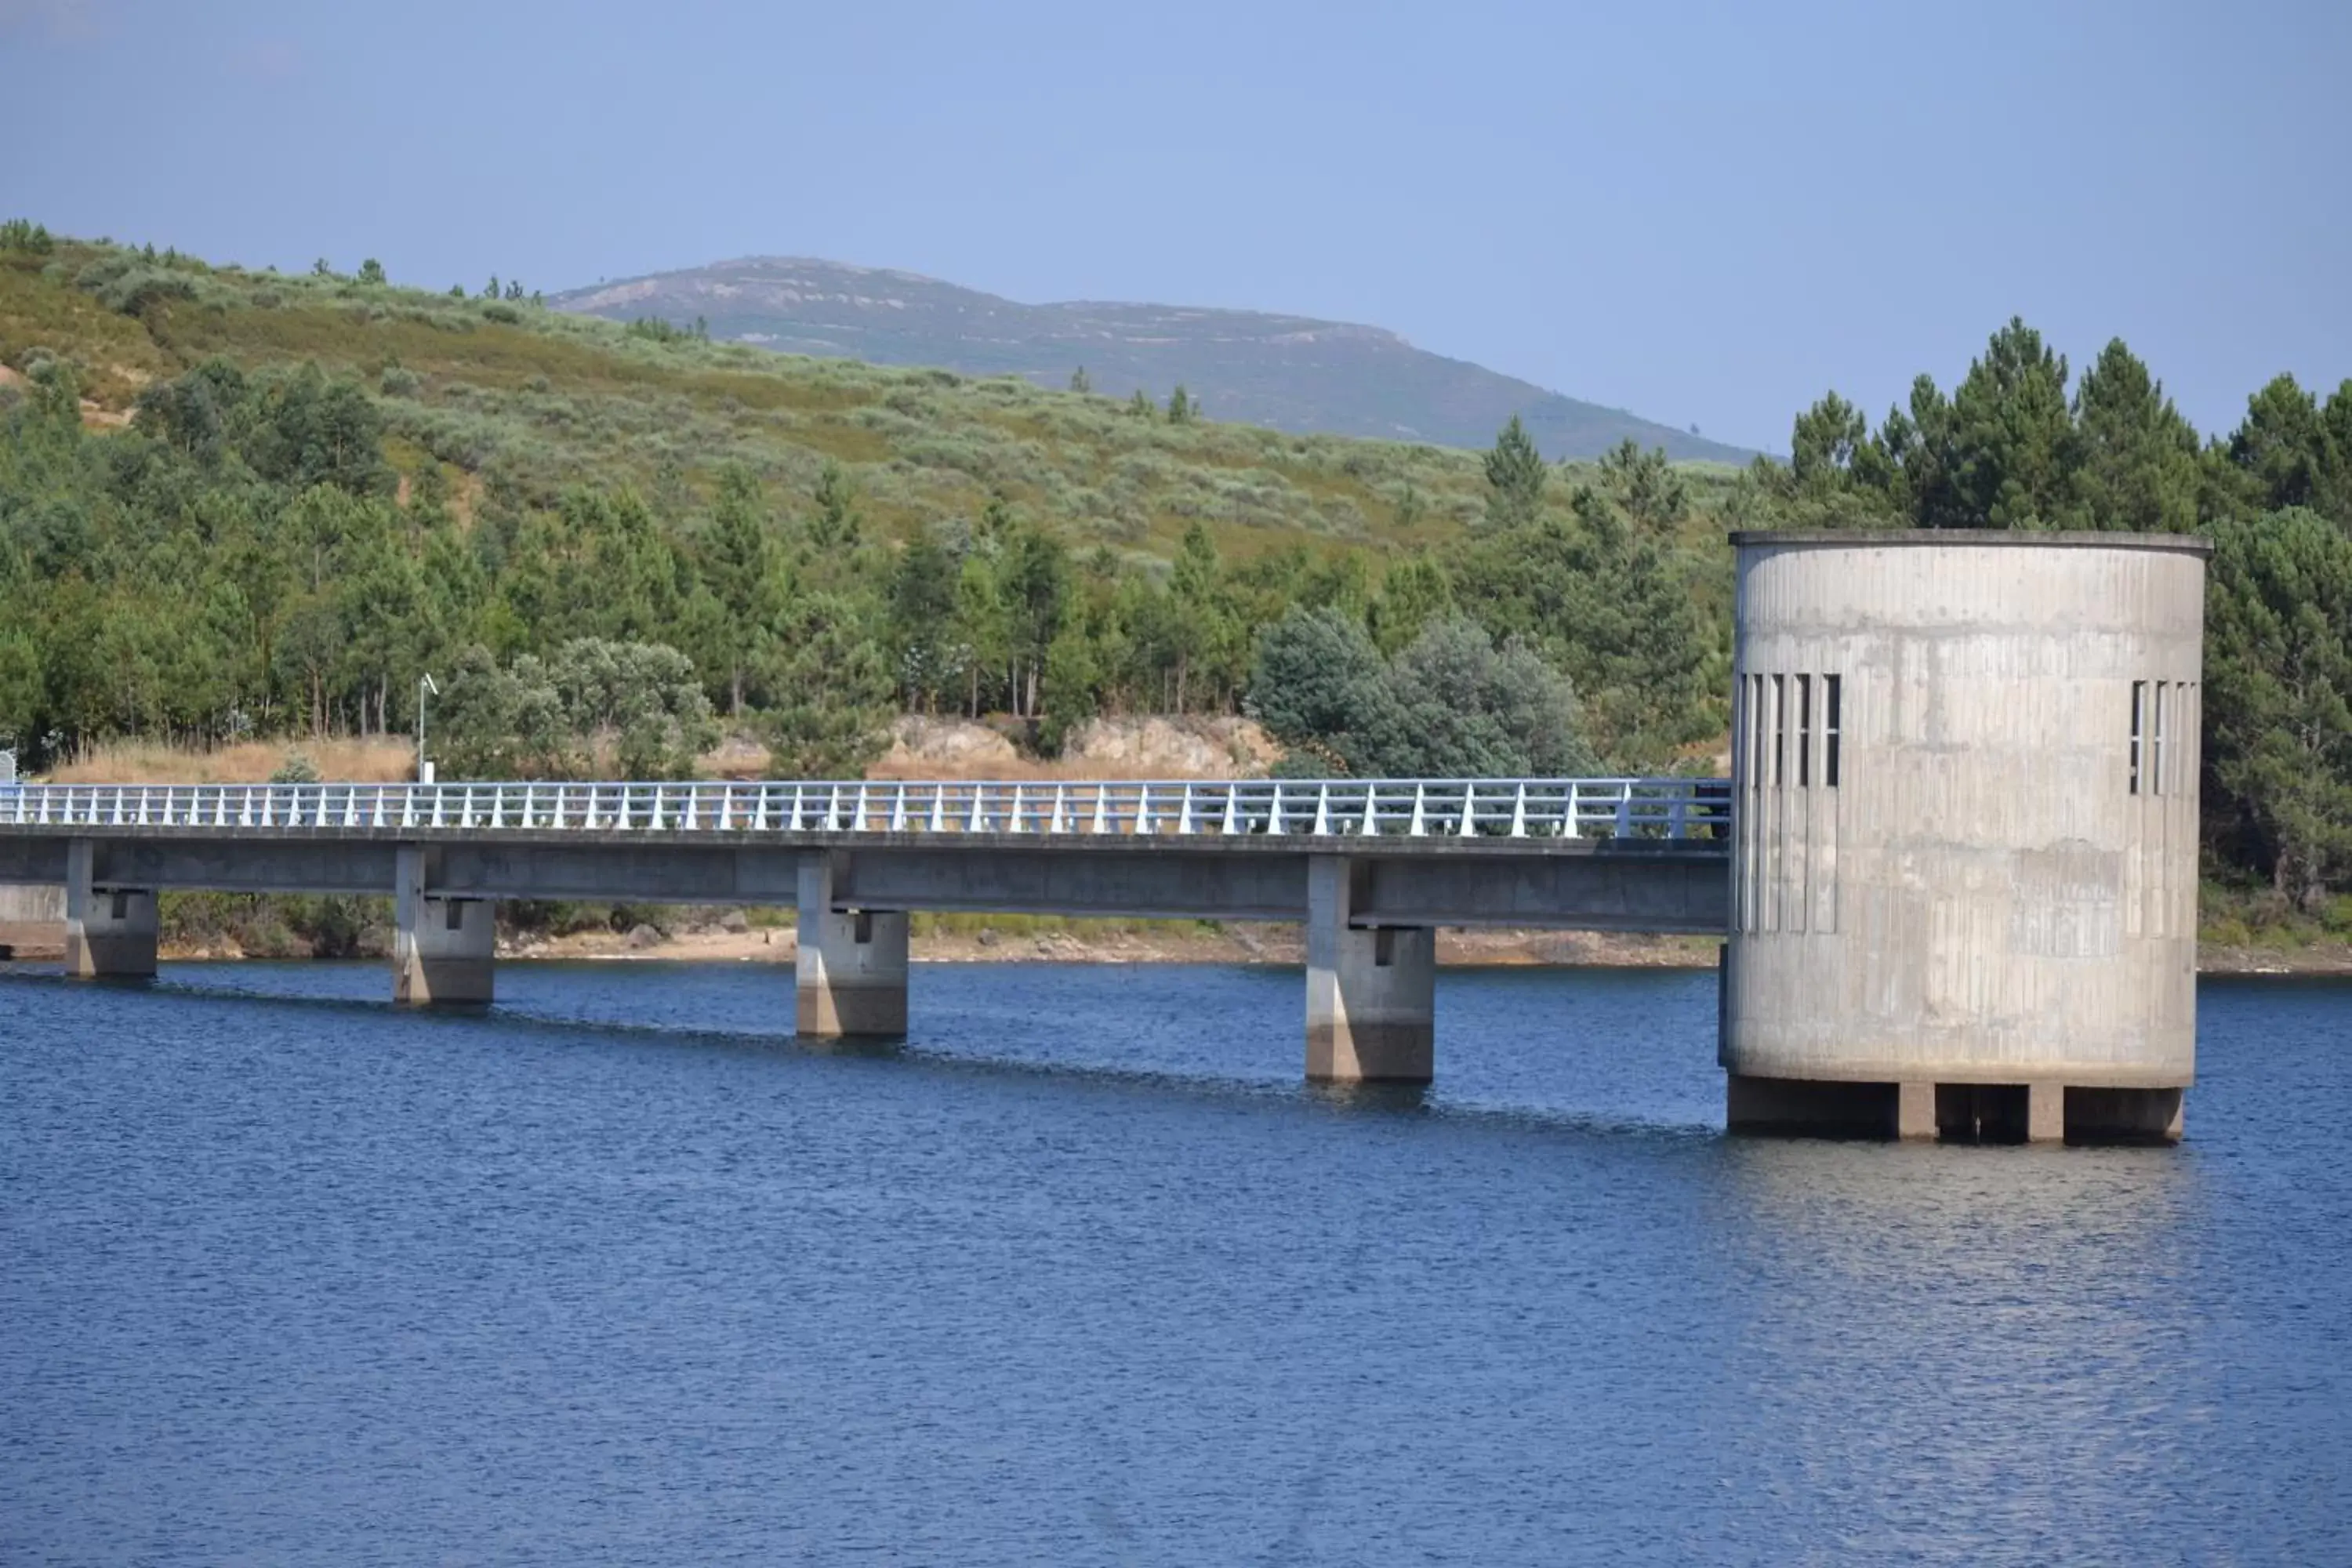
25, 238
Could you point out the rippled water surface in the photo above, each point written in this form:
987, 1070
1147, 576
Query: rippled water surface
617, 1273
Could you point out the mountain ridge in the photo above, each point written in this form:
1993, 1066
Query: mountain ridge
1279, 369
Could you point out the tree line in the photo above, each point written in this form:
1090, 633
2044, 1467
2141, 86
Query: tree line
2012, 446
245, 559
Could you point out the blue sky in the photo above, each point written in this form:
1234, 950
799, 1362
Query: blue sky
1708, 213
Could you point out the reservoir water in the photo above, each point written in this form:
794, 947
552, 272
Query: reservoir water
619, 1273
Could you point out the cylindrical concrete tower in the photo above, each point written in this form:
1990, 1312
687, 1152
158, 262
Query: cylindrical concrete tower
1964, 881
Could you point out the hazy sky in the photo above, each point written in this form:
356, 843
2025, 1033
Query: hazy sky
1707, 214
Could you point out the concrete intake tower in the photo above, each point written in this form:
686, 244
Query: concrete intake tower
1964, 883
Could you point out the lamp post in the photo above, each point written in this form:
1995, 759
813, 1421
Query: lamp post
424, 768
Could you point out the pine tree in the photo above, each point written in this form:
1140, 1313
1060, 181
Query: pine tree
922, 621
2012, 433
2334, 500
1037, 583
1823, 443
1645, 486
2282, 449
2135, 458
1515, 478
1078, 381
835, 525
2279, 708
1414, 591
1206, 632
744, 576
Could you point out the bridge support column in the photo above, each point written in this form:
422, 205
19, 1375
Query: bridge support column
851, 978
443, 949
110, 932
1372, 994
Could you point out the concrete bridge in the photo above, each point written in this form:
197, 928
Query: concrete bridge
1370, 867
1955, 864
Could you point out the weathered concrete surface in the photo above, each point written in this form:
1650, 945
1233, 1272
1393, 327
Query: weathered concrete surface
26, 857
1201, 884
850, 974
443, 951
1625, 885
32, 921
1372, 990
1915, 1111
31, 905
1636, 886
109, 928
1981, 896
2045, 1113
245, 865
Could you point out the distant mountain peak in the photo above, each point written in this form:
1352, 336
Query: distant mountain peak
1288, 372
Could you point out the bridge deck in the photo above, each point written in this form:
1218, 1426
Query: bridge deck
1626, 853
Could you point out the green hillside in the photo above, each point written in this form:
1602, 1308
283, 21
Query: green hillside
237, 504
453, 473
539, 400
1289, 372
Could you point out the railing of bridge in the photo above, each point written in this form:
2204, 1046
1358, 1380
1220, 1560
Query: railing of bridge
1667, 808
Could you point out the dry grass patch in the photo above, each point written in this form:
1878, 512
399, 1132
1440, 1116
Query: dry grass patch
380, 760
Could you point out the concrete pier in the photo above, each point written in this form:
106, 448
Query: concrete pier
109, 931
443, 949
1371, 992
851, 979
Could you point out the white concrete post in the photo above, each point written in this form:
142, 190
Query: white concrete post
443, 949
1372, 994
851, 975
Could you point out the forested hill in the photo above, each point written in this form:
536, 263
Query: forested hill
1288, 372
235, 503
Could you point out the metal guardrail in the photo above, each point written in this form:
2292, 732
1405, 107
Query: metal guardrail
1669, 808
